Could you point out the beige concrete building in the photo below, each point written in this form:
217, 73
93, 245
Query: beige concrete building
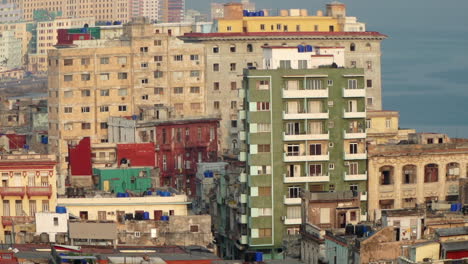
104, 10
382, 126
97, 79
28, 186
404, 176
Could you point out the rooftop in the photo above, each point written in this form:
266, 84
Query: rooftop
283, 34
457, 231
455, 246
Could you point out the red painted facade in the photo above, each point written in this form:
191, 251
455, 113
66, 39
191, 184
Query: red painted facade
79, 158
140, 155
180, 146
65, 38
457, 254
16, 141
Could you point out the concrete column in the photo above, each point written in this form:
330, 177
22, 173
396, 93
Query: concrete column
397, 175
420, 182
442, 180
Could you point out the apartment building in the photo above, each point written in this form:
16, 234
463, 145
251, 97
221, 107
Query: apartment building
406, 175
303, 129
96, 79
10, 51
228, 53
28, 186
383, 126
145, 8
171, 11
104, 10
10, 13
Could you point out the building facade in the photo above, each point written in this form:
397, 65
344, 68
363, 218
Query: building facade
171, 11
28, 186
10, 13
301, 131
404, 176
10, 51
103, 78
382, 127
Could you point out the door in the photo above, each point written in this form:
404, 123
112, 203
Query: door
294, 170
293, 107
353, 148
353, 126
315, 127
293, 128
293, 85
342, 219
157, 214
84, 215
315, 106
352, 106
315, 149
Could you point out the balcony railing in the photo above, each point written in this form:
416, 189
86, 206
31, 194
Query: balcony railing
354, 92
290, 116
355, 177
306, 178
289, 157
305, 136
355, 156
244, 240
354, 114
39, 191
15, 220
355, 134
322, 93
12, 191
287, 200
292, 221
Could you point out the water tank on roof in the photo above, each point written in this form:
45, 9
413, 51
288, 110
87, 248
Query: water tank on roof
308, 48
108, 23
245, 13
60, 210
84, 30
258, 256
146, 216
261, 13
164, 218
300, 48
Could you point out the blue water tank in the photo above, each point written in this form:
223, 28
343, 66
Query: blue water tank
146, 216
134, 117
108, 23
149, 193
245, 12
44, 139
126, 195
261, 13
84, 30
453, 207
254, 14
120, 194
308, 48
258, 256
164, 218
300, 48
60, 210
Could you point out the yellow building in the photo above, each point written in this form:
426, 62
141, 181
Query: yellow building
383, 127
294, 20
96, 79
28, 186
113, 208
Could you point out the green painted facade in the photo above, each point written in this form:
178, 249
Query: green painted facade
269, 148
119, 180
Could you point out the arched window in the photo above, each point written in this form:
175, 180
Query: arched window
249, 48
352, 47
386, 175
431, 173
409, 174
453, 171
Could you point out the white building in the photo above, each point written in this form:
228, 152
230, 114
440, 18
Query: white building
52, 224
10, 51
302, 57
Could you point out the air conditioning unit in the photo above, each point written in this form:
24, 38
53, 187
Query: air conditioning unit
283, 218
346, 163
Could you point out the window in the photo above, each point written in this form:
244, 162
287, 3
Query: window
431, 173
144, 65
285, 64
212, 133
85, 77
263, 85
85, 93
330, 82
104, 76
316, 28
194, 89
302, 64
215, 67
388, 123
68, 126
313, 84
370, 101
250, 46
144, 81
292, 150
122, 92
232, 48
104, 92
353, 64
263, 106
352, 84
331, 166
264, 148
45, 205
194, 57
122, 76
104, 108
158, 58
104, 125
158, 74
228, 28
315, 169
85, 109
68, 62
368, 123
264, 211
68, 94
178, 57
264, 169
264, 232
293, 212
215, 49
232, 66
122, 108
216, 105
195, 106
353, 148
105, 60
194, 73
233, 85
352, 47
144, 97
122, 60
233, 104
369, 83
352, 215
263, 127
85, 61
68, 110
179, 107
293, 192
353, 168
216, 86
68, 78
178, 90
386, 175
157, 42
159, 90
264, 191
194, 228
315, 149
85, 126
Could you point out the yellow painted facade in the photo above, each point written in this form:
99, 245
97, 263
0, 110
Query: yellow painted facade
108, 208
279, 24
28, 186
383, 127
426, 251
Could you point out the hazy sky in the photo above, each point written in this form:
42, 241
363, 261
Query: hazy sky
424, 60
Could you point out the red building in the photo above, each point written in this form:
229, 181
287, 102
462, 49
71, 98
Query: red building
180, 145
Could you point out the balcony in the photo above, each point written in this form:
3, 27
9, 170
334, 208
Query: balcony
291, 201
12, 191
299, 137
243, 198
242, 135
322, 93
16, 220
244, 240
39, 191
306, 178
386, 188
363, 196
292, 221
196, 144
299, 158
292, 116
354, 114
243, 177
355, 156
354, 134
355, 177
354, 92
243, 219
242, 156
